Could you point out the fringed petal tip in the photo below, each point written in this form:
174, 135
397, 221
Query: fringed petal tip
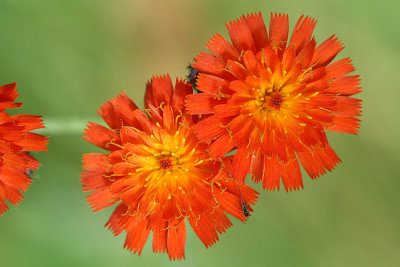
101, 136
8, 94
240, 34
101, 199
158, 90
252, 15
319, 161
179, 96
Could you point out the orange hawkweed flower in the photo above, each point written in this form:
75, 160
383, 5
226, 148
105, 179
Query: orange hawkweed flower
273, 99
158, 173
16, 141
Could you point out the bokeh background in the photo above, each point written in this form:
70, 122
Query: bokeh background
69, 56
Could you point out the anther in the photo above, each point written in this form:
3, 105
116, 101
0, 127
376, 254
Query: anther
199, 162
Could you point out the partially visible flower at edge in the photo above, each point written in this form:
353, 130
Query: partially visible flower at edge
274, 99
16, 141
158, 174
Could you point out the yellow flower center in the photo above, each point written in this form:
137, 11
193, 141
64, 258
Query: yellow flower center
170, 153
167, 161
275, 92
164, 170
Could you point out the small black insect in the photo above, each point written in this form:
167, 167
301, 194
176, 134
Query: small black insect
192, 77
244, 208
244, 205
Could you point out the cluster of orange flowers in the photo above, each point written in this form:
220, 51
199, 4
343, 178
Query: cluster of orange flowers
262, 105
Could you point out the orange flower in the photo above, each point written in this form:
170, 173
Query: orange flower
16, 141
273, 99
158, 174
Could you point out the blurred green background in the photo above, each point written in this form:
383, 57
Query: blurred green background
69, 56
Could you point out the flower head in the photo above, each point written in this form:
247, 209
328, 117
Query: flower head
158, 173
16, 140
273, 99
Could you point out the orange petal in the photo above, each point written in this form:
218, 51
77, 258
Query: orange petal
158, 90
320, 160
241, 35
302, 33
257, 29
241, 164
279, 31
221, 48
137, 236
101, 136
326, 52
202, 103
182, 89
176, 241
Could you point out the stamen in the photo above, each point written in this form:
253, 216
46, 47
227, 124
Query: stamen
199, 162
